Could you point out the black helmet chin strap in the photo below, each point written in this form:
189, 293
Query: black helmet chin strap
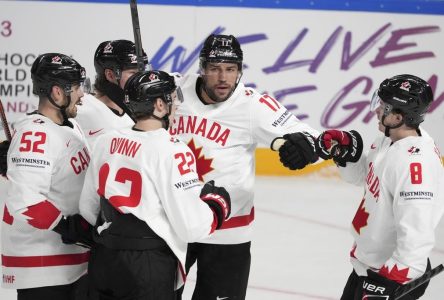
387, 128
166, 118
117, 95
62, 108
114, 92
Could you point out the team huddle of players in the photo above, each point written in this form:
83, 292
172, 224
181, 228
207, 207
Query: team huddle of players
165, 166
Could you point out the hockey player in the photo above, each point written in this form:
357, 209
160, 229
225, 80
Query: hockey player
403, 201
47, 161
143, 184
222, 121
115, 61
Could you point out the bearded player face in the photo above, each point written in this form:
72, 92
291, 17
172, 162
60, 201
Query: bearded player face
220, 80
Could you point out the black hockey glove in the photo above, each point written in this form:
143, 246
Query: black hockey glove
298, 150
75, 230
218, 200
375, 286
4, 147
342, 146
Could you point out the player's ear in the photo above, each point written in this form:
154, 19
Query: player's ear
109, 75
57, 93
159, 105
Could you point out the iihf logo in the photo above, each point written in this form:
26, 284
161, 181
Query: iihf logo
108, 48
248, 92
56, 60
405, 86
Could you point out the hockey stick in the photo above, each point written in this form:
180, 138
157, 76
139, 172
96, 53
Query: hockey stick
5, 122
137, 38
412, 285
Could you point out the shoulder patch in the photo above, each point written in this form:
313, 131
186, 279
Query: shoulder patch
174, 140
414, 150
248, 92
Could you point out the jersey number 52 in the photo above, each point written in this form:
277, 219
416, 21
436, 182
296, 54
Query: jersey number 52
32, 142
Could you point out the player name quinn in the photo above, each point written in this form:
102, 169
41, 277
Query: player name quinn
124, 146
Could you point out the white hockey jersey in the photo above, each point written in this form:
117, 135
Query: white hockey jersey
46, 168
95, 118
223, 138
152, 176
394, 226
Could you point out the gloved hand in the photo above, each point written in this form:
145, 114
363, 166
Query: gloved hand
342, 146
375, 286
298, 150
218, 199
4, 147
75, 230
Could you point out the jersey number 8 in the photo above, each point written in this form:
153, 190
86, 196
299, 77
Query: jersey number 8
416, 173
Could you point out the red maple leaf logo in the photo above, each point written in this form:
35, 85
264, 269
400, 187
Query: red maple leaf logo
203, 164
361, 217
398, 275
